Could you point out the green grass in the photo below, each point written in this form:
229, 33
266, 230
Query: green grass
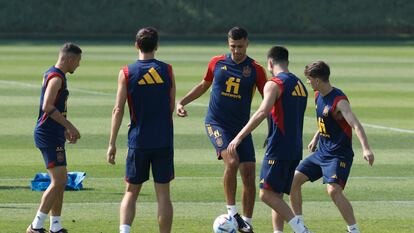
377, 78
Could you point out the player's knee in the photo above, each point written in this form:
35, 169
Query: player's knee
266, 195
131, 196
232, 165
133, 190
59, 183
334, 191
298, 180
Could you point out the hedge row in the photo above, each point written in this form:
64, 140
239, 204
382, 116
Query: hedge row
111, 18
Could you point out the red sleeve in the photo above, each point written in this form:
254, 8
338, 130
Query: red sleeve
316, 95
279, 83
209, 76
53, 75
336, 100
126, 74
342, 122
260, 77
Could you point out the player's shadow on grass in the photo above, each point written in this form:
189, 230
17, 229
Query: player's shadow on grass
13, 187
86, 189
118, 193
109, 193
15, 207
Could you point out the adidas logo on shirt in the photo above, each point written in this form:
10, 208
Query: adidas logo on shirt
151, 77
299, 90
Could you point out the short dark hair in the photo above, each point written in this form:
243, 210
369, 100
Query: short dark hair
318, 69
278, 54
70, 47
147, 39
237, 33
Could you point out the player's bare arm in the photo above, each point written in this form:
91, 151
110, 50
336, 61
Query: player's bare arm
345, 109
314, 142
117, 115
270, 94
195, 93
53, 87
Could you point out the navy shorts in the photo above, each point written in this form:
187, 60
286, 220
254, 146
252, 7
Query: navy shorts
332, 169
54, 156
277, 175
139, 161
221, 138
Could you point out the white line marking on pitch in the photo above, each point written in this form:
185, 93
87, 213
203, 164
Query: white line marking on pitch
32, 86
28, 85
364, 124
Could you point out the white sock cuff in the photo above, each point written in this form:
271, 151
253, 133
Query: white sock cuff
39, 220
124, 228
248, 220
293, 220
353, 228
231, 210
296, 224
55, 223
55, 218
41, 214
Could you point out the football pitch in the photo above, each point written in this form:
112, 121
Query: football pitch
377, 77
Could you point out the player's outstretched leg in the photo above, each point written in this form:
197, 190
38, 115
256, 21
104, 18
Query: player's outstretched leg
335, 191
296, 193
276, 202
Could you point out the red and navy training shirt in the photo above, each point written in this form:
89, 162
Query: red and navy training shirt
232, 91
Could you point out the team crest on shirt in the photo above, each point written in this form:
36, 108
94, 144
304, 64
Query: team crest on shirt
325, 111
219, 141
217, 134
246, 71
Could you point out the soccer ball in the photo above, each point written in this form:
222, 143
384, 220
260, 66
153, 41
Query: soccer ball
225, 224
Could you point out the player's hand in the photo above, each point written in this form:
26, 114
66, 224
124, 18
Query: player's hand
181, 112
232, 147
67, 136
368, 156
312, 145
72, 134
110, 154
